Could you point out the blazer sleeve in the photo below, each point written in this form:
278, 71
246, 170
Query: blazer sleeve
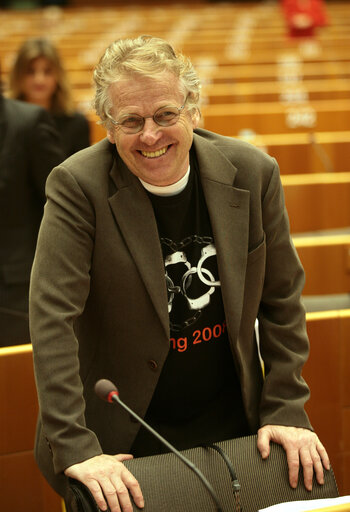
284, 343
59, 287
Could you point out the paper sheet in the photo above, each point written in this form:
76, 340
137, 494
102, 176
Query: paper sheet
341, 504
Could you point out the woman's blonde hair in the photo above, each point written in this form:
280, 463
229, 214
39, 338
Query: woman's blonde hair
61, 102
144, 56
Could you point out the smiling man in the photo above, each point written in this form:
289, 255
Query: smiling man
157, 156
160, 247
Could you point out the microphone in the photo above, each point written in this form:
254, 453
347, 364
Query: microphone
107, 391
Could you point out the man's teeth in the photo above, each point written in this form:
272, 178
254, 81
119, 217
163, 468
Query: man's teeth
153, 154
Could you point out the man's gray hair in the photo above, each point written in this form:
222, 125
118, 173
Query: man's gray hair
144, 56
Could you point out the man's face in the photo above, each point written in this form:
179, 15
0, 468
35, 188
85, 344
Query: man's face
158, 155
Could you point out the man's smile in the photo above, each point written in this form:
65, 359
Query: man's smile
155, 154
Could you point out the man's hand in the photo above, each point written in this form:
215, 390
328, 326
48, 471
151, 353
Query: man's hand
302, 447
106, 475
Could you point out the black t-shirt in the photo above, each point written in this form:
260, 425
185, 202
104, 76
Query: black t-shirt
198, 396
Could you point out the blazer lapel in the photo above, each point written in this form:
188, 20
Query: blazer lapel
134, 215
229, 214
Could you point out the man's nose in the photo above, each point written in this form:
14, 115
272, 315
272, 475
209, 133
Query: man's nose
151, 132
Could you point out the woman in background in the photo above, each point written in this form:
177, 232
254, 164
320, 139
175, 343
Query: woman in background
29, 149
38, 77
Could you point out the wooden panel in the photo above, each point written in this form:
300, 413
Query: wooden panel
326, 264
18, 399
288, 93
345, 489
345, 370
346, 440
327, 375
317, 201
300, 153
22, 487
317, 152
323, 115
346, 421
324, 405
260, 72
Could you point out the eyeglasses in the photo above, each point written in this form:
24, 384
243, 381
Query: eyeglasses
165, 116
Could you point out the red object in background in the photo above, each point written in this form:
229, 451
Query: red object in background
304, 16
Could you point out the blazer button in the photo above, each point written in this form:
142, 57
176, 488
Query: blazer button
152, 364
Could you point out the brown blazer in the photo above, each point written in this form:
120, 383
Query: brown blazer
98, 306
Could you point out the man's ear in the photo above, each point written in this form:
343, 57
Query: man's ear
196, 117
110, 136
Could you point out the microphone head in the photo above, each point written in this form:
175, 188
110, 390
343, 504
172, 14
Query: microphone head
106, 390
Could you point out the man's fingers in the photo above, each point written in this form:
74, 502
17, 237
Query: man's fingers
133, 487
324, 455
119, 497
116, 493
123, 497
309, 459
263, 442
314, 458
103, 489
319, 472
130, 481
109, 482
320, 460
293, 466
123, 456
302, 447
